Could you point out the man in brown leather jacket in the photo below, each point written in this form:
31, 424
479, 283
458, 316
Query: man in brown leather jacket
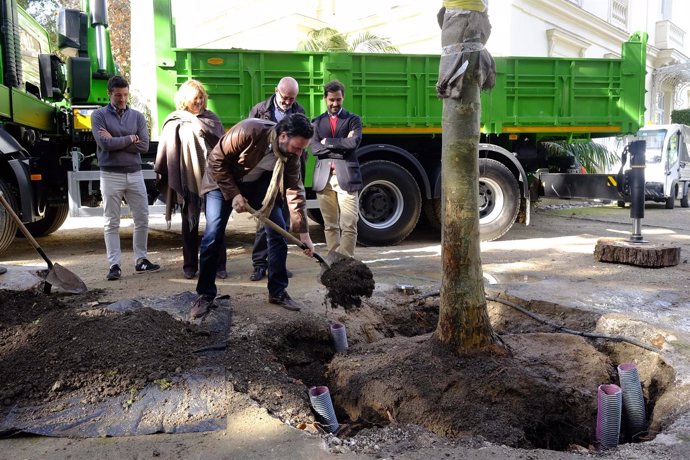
251, 163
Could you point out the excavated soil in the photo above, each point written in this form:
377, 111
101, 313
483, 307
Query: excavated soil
545, 396
347, 281
396, 392
53, 347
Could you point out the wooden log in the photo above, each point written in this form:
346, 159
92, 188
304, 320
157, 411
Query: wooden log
653, 255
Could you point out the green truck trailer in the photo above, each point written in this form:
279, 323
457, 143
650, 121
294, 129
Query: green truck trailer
534, 99
48, 168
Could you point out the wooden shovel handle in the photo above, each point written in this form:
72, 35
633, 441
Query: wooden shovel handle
266, 221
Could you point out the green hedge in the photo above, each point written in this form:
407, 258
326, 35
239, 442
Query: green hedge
681, 116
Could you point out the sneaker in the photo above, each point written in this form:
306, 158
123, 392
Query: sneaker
221, 274
114, 273
258, 274
189, 274
285, 301
201, 306
145, 266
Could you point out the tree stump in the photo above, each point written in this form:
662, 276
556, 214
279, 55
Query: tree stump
651, 255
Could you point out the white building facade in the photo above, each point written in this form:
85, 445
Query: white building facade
567, 28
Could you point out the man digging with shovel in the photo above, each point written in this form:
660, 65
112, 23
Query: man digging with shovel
256, 163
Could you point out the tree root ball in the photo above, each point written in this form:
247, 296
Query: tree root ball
347, 280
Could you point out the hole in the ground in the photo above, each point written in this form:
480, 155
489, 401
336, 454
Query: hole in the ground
545, 396
306, 348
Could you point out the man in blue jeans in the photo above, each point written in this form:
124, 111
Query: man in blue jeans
256, 162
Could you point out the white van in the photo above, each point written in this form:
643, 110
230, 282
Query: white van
667, 172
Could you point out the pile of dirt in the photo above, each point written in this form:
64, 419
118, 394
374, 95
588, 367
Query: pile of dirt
51, 348
394, 374
544, 396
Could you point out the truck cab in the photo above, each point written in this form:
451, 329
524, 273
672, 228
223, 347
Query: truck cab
667, 171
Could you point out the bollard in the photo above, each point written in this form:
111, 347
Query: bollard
637, 165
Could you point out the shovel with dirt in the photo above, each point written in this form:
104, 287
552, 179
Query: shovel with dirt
346, 279
56, 275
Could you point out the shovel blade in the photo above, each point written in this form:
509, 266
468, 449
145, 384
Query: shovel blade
335, 257
64, 279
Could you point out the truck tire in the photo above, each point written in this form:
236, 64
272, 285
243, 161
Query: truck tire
389, 204
8, 227
432, 212
670, 202
55, 216
499, 199
684, 201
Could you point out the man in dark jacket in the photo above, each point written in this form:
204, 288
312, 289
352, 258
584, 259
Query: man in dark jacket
337, 177
253, 163
282, 103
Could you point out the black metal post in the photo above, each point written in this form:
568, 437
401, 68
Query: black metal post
637, 164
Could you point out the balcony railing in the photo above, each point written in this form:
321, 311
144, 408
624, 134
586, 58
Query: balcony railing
618, 15
668, 35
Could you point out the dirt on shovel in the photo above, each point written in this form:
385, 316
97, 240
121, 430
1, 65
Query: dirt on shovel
347, 280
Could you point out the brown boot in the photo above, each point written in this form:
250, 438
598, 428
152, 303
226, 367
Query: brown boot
200, 307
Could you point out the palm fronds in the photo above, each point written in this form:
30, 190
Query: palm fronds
591, 155
329, 39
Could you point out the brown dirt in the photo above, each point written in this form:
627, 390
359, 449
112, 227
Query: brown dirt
55, 347
392, 372
347, 281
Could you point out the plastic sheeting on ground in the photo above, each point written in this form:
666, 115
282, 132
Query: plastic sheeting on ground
196, 401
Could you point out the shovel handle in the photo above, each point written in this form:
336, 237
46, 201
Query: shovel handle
24, 230
266, 221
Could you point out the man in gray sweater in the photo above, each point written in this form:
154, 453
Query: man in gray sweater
122, 136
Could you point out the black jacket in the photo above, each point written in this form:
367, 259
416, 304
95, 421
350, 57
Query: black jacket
264, 110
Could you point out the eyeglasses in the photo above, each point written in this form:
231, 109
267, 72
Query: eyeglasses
285, 98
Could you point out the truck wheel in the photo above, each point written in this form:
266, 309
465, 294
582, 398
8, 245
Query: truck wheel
432, 212
55, 216
389, 204
8, 227
684, 201
499, 199
670, 202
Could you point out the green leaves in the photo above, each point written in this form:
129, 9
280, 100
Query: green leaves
591, 155
329, 39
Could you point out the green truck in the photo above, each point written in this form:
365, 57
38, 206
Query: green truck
48, 168
44, 106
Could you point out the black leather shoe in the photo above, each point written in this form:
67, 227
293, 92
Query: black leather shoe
285, 301
258, 274
289, 273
